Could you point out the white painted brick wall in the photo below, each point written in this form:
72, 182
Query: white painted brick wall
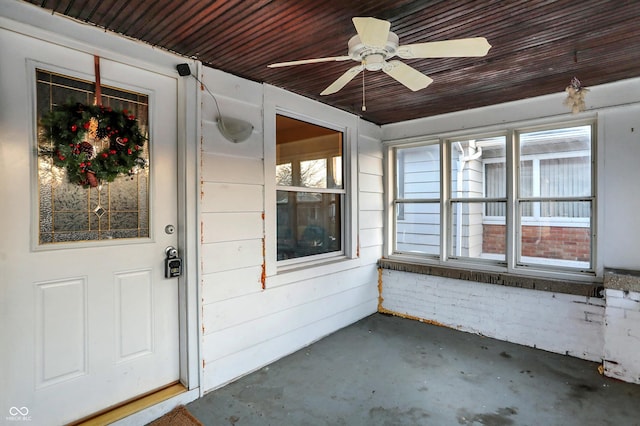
622, 335
560, 323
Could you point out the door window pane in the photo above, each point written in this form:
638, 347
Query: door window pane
112, 210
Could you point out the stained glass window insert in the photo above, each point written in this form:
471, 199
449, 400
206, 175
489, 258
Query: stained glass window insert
111, 210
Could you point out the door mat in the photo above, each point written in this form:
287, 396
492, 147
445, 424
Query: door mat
179, 416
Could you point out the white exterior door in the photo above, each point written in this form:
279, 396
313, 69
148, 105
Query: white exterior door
85, 325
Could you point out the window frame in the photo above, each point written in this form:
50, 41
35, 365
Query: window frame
512, 263
276, 273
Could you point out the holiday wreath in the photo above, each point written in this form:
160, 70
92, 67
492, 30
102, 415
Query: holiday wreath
72, 127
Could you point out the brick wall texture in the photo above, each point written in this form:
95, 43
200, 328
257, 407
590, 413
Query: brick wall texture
548, 242
603, 330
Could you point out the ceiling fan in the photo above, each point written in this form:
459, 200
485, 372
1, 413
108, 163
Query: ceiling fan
374, 44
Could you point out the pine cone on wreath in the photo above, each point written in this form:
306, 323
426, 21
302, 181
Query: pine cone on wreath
87, 148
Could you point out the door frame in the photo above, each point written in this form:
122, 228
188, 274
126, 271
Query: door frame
36, 23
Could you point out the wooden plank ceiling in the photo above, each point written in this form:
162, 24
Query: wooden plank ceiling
538, 46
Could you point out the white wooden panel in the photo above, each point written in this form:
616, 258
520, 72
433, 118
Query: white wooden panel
371, 237
226, 256
251, 333
618, 93
371, 201
61, 311
369, 164
370, 255
229, 86
224, 168
369, 219
229, 284
370, 183
370, 147
214, 142
134, 314
225, 197
227, 369
219, 227
369, 130
228, 313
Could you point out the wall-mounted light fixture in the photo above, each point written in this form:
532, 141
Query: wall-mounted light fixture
233, 129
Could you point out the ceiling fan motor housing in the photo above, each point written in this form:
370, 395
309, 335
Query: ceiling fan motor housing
373, 57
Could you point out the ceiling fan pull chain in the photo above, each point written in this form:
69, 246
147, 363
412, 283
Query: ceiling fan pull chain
364, 107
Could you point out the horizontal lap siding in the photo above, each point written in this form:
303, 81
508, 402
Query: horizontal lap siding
245, 327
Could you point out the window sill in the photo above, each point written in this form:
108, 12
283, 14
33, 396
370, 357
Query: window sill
622, 279
303, 271
580, 288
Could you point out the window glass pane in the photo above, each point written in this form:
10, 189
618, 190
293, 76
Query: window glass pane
418, 172
495, 174
565, 177
526, 185
309, 176
283, 174
313, 174
559, 163
554, 240
418, 228
472, 238
308, 223
478, 168
307, 155
111, 210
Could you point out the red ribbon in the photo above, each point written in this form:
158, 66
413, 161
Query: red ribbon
96, 63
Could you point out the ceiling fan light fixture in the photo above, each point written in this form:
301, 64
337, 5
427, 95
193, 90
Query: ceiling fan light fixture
374, 45
374, 62
358, 51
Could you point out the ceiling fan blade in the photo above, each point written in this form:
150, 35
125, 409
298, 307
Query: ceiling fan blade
373, 32
476, 46
409, 76
342, 80
309, 61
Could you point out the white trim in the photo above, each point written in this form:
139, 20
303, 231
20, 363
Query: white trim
189, 153
278, 101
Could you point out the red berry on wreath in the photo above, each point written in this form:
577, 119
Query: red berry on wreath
112, 151
74, 128
105, 155
87, 125
129, 151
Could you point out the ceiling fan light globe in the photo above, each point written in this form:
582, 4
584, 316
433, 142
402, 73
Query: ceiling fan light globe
374, 62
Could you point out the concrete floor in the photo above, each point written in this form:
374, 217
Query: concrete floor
391, 371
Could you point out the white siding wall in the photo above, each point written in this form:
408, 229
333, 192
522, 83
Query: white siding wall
244, 325
605, 329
